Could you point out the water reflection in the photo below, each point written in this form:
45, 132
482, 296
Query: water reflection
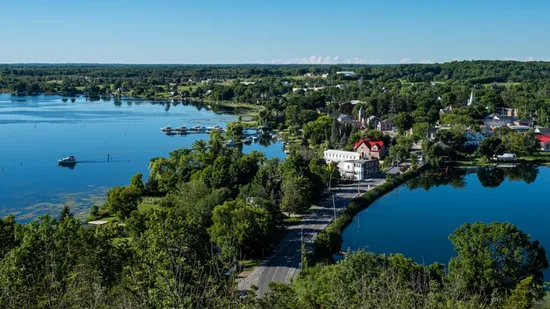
489, 177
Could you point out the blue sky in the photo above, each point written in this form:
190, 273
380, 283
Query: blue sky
283, 31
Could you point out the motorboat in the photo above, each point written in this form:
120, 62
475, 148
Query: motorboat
198, 128
247, 140
166, 129
255, 138
181, 129
70, 160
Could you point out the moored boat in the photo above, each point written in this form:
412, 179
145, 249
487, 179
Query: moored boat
166, 129
67, 161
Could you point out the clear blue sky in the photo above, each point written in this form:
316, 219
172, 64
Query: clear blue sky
282, 31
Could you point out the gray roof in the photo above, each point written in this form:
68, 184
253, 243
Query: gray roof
545, 131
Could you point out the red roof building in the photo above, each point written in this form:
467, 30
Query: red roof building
544, 141
370, 149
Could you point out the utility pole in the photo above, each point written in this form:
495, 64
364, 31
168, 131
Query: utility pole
334, 207
301, 249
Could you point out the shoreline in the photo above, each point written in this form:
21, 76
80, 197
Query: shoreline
329, 241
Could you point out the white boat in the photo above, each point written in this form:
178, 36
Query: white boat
213, 128
198, 128
247, 140
181, 129
67, 161
255, 138
166, 129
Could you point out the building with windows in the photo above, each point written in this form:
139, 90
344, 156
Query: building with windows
370, 149
350, 164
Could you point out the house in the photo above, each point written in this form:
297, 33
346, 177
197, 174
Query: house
446, 110
325, 75
370, 149
346, 119
512, 112
523, 123
346, 73
496, 121
358, 169
372, 121
543, 131
544, 141
385, 125
487, 131
473, 138
431, 133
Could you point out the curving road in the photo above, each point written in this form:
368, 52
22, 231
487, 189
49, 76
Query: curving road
283, 264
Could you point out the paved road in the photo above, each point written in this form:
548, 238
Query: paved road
283, 264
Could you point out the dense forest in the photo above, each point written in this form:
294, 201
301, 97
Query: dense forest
217, 209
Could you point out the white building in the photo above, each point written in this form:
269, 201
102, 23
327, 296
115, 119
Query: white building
338, 156
350, 165
346, 73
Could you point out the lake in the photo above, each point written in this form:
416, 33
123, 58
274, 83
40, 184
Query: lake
417, 218
35, 131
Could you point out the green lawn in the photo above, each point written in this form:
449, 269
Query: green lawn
248, 265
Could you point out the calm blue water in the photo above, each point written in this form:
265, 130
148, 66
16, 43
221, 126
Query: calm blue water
417, 222
37, 130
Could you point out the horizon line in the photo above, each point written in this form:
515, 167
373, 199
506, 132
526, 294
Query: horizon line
270, 64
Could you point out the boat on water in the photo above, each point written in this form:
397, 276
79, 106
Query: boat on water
166, 129
181, 129
255, 138
247, 140
67, 160
198, 128
230, 143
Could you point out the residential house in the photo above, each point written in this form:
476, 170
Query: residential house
544, 141
496, 121
473, 138
446, 110
432, 132
325, 75
385, 125
511, 112
370, 149
543, 131
372, 121
524, 122
345, 119
487, 131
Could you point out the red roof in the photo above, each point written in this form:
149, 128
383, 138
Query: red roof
369, 144
543, 138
